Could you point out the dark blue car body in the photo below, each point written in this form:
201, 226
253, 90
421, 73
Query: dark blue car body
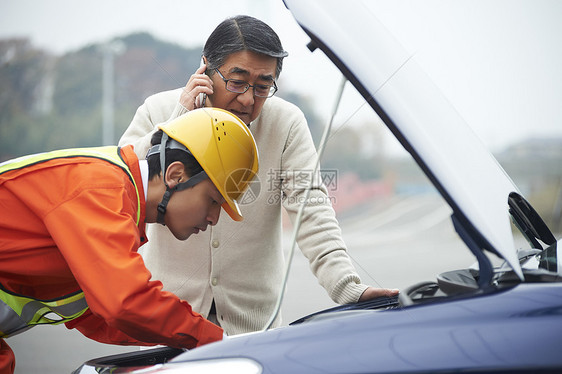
517, 329
512, 330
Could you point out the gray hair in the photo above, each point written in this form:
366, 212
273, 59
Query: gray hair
242, 33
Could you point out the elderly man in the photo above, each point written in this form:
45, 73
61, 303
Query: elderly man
233, 273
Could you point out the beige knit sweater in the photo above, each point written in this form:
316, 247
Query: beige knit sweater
241, 264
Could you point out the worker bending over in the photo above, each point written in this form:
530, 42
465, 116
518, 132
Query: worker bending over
71, 222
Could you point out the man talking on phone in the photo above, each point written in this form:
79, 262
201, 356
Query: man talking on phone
232, 274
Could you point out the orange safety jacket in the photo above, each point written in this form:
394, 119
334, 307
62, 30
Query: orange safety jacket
73, 223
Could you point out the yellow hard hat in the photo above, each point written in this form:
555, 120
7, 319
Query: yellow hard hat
224, 147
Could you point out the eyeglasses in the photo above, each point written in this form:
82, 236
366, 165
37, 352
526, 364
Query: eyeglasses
239, 87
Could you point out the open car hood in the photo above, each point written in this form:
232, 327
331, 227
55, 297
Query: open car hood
424, 122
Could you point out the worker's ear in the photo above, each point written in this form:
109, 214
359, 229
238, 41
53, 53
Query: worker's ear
175, 174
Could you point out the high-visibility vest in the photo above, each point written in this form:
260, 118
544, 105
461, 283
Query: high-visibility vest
18, 312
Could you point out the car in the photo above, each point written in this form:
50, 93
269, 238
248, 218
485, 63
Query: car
503, 314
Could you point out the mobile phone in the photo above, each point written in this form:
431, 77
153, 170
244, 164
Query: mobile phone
202, 97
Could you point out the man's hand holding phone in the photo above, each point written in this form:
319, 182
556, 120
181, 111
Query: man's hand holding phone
197, 88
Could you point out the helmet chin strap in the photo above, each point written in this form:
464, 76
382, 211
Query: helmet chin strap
199, 177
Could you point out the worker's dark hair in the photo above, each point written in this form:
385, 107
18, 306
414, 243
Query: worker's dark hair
191, 165
242, 33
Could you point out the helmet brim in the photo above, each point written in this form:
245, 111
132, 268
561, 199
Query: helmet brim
231, 207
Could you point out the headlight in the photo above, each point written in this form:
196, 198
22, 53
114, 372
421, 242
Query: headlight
226, 365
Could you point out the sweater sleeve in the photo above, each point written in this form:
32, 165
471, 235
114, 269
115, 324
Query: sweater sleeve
156, 110
319, 236
96, 233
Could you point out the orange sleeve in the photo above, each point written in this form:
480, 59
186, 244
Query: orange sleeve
97, 329
96, 232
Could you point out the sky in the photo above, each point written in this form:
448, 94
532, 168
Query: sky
498, 61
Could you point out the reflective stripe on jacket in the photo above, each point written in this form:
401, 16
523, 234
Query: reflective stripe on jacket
19, 313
